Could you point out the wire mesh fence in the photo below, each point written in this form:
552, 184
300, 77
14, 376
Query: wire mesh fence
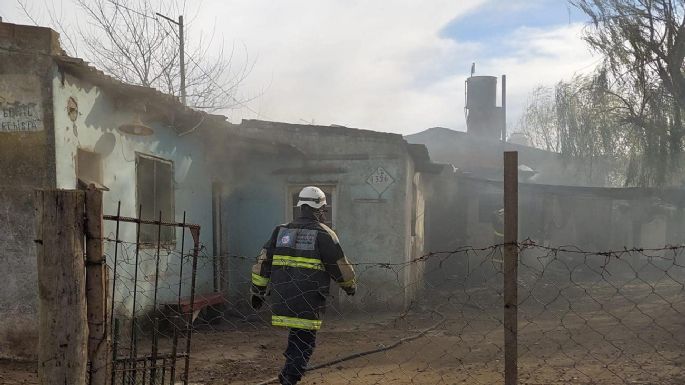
602, 317
585, 317
613, 317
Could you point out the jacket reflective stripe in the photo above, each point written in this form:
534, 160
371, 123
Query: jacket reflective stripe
349, 283
299, 323
259, 280
302, 262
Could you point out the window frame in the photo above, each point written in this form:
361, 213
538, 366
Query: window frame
167, 243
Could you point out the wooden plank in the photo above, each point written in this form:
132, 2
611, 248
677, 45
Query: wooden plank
510, 267
63, 327
99, 353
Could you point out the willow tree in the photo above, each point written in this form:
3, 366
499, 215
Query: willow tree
632, 107
643, 43
578, 118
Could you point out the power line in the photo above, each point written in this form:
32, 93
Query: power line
211, 78
131, 10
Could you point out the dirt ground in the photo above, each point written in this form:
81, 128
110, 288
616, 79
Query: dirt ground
633, 338
18, 372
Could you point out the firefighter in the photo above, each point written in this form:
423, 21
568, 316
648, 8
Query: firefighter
497, 222
298, 263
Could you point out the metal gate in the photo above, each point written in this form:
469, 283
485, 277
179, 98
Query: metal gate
153, 275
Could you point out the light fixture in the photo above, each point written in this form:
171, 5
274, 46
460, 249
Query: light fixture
136, 127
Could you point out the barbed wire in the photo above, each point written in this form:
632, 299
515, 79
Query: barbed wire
585, 316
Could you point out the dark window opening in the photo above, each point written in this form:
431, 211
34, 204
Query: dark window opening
295, 193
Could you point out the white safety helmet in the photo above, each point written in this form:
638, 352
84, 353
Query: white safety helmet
312, 196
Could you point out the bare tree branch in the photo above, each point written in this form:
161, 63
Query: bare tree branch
127, 40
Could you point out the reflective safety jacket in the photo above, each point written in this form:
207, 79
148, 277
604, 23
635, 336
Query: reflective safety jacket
299, 261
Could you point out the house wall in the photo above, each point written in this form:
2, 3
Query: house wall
95, 129
373, 228
26, 163
591, 219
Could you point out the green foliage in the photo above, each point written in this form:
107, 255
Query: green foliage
630, 109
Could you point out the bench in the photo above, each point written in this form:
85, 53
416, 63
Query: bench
202, 301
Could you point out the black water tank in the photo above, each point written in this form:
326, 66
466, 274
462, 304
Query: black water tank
484, 117
481, 92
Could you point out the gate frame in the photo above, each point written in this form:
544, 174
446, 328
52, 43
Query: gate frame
169, 361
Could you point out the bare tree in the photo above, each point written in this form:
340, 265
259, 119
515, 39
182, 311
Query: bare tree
643, 43
539, 121
647, 36
597, 116
576, 118
631, 108
126, 39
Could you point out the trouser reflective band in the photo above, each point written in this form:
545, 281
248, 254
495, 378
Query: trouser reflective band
299, 323
302, 262
259, 280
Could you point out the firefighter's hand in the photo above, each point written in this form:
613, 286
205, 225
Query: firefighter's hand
350, 290
256, 301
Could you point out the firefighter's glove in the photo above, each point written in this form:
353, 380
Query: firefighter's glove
257, 295
256, 301
350, 290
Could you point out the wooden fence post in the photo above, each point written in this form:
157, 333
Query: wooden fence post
99, 353
63, 330
510, 267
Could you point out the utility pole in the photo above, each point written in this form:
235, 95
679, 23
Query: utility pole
504, 108
179, 23
510, 267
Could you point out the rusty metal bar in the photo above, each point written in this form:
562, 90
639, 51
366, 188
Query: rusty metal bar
155, 325
195, 232
115, 346
164, 356
113, 321
116, 260
174, 347
149, 222
128, 370
133, 344
510, 267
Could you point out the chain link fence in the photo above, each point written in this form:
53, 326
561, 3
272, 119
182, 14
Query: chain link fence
611, 317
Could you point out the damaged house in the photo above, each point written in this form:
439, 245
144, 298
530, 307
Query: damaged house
375, 185
64, 124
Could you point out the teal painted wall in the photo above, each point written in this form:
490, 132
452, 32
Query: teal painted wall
95, 130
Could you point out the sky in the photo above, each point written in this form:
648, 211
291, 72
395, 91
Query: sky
388, 65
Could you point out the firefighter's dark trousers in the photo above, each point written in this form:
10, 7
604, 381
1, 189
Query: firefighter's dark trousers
301, 345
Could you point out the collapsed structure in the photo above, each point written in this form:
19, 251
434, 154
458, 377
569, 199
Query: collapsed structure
65, 125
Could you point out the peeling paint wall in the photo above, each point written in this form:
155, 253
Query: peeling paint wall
373, 227
95, 129
26, 163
